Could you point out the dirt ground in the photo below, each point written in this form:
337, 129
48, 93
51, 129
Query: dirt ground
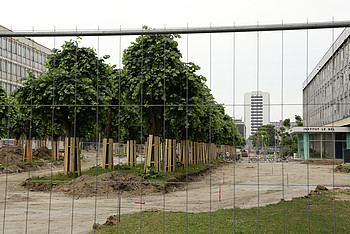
242, 185
11, 160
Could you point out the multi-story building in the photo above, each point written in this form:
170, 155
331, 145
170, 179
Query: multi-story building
326, 109
241, 127
326, 92
256, 110
17, 55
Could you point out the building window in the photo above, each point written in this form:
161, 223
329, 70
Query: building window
14, 67
19, 49
9, 67
24, 51
14, 47
9, 45
4, 43
4, 66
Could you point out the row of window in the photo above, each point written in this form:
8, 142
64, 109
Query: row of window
8, 87
20, 50
13, 69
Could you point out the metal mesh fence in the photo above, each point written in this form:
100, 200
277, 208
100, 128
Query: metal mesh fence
152, 140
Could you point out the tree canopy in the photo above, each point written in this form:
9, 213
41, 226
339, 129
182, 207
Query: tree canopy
155, 76
70, 89
3, 112
154, 89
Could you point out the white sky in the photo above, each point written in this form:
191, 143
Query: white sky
108, 14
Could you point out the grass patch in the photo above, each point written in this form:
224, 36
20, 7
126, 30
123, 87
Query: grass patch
49, 158
343, 166
60, 176
193, 168
246, 220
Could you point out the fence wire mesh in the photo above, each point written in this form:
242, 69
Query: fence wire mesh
151, 144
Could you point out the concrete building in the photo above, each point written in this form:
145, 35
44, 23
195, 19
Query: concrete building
17, 55
326, 94
256, 110
241, 127
326, 109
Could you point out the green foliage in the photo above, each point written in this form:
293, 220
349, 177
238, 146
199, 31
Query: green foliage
153, 69
3, 112
266, 136
299, 120
286, 123
71, 82
78, 86
288, 150
122, 166
150, 173
289, 142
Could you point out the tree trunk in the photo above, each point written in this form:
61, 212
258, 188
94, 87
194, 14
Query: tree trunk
157, 122
108, 130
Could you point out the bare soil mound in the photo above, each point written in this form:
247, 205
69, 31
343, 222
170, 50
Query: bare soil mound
127, 184
11, 154
342, 169
108, 183
114, 183
11, 160
41, 153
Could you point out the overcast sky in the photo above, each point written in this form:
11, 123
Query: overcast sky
72, 15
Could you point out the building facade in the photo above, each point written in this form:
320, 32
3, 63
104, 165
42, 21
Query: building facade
17, 56
241, 127
256, 111
326, 104
326, 92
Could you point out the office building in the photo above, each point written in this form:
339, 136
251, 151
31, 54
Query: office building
241, 127
17, 55
256, 111
326, 109
326, 94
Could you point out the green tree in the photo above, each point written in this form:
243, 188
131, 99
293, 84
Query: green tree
286, 123
298, 120
154, 71
70, 89
3, 112
271, 132
147, 63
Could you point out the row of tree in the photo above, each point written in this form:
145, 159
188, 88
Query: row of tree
153, 93
267, 135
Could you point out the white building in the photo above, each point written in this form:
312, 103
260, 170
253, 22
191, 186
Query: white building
326, 109
326, 94
256, 111
17, 55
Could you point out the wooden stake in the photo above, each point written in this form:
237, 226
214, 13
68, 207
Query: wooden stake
66, 155
104, 152
174, 156
156, 153
28, 151
72, 156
